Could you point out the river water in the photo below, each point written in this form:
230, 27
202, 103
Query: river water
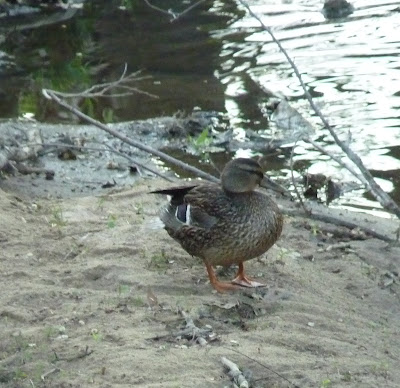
216, 57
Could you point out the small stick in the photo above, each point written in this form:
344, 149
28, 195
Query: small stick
339, 161
341, 245
44, 375
263, 365
306, 210
234, 373
138, 164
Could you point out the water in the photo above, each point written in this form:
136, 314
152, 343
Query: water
216, 58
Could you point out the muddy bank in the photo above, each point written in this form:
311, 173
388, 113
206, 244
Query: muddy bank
91, 297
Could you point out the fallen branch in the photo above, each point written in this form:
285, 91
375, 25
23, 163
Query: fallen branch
234, 373
368, 180
330, 219
138, 164
102, 90
51, 95
340, 161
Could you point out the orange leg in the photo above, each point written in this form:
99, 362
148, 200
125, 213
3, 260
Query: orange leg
219, 286
242, 280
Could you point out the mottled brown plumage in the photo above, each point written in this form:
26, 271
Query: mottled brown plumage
224, 224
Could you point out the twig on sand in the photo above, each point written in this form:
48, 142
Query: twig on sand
83, 354
234, 373
192, 332
138, 164
262, 365
44, 375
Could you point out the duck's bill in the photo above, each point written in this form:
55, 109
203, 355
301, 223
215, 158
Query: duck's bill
267, 183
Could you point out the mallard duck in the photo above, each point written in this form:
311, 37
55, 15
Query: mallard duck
226, 223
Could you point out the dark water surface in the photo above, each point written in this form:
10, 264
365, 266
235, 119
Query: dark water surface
214, 58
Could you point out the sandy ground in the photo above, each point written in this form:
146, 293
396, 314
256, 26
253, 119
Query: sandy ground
91, 297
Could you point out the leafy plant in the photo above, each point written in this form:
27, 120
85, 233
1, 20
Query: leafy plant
202, 141
96, 335
326, 383
57, 218
112, 221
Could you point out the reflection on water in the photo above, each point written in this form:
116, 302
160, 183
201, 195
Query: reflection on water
351, 67
218, 57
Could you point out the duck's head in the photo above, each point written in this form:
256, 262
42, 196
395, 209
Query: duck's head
243, 175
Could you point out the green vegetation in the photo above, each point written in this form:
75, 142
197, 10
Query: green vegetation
111, 221
57, 217
201, 143
326, 383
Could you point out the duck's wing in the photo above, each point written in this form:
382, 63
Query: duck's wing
188, 206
